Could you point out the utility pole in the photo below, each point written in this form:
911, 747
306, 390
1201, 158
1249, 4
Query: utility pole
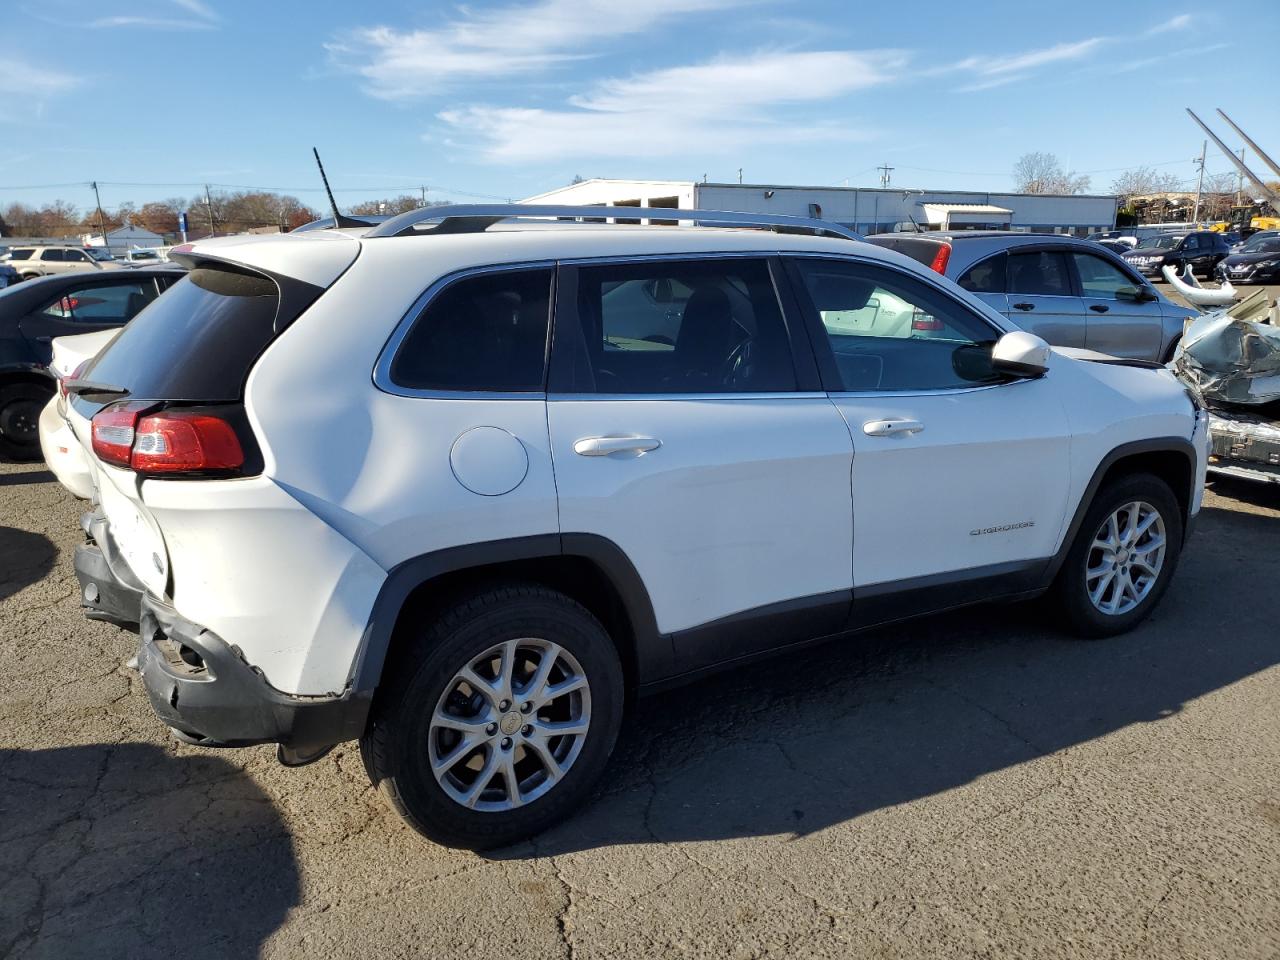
208, 205
102, 224
424, 195
1199, 161
1240, 178
885, 172
739, 174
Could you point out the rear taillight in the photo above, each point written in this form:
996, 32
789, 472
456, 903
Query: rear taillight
940, 259
113, 431
75, 375
177, 441
165, 442
924, 321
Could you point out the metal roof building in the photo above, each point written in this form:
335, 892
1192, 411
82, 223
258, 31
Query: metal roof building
865, 209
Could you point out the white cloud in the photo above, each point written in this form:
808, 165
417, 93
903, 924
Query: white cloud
716, 106
1180, 22
154, 23
198, 7
507, 41
44, 82
1020, 62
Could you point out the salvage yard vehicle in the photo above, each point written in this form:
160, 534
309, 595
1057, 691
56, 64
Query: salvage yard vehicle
1257, 260
1231, 359
1202, 251
33, 313
1073, 293
45, 261
559, 463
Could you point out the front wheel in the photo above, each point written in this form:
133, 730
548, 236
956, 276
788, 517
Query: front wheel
499, 719
1123, 557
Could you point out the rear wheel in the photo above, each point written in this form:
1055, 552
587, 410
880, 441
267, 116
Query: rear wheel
20, 406
1123, 557
499, 720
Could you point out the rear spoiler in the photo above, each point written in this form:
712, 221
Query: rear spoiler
933, 253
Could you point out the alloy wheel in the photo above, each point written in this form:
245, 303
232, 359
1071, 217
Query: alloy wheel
509, 725
1125, 558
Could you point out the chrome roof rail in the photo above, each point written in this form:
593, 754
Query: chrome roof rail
476, 218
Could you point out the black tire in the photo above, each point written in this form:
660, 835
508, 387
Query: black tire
20, 406
394, 747
1071, 592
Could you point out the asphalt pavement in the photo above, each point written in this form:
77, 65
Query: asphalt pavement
971, 785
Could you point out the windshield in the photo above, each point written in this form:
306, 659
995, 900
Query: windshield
1159, 243
1262, 245
99, 253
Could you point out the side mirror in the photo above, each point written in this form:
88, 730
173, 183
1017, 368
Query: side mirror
1021, 354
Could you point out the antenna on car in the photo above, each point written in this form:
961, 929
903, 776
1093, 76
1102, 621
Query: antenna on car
338, 219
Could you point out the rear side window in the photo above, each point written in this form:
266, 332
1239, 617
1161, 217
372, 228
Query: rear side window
197, 342
53, 256
486, 332
20, 254
110, 303
1043, 273
985, 277
684, 327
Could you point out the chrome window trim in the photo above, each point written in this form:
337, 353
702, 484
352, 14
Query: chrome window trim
717, 397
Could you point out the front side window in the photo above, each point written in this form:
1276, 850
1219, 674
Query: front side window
699, 326
486, 332
1191, 243
74, 256
888, 331
116, 303
1102, 280
1043, 273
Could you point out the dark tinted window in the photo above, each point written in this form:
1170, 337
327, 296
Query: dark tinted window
1191, 243
54, 256
20, 254
109, 303
74, 256
1042, 273
889, 331
985, 277
683, 327
487, 332
197, 342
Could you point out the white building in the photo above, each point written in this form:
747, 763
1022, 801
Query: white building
867, 210
124, 238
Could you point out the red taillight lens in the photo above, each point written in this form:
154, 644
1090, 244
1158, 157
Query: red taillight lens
165, 442
178, 441
113, 430
924, 321
940, 259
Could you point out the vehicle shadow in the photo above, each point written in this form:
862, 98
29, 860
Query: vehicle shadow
14, 478
128, 851
1248, 491
860, 724
25, 558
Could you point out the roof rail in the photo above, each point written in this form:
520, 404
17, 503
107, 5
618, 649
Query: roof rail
476, 218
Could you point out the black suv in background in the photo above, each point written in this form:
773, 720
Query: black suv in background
1203, 250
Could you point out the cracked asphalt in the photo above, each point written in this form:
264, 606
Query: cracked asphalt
974, 785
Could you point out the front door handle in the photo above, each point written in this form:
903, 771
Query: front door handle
1099, 307
1024, 306
605, 446
890, 428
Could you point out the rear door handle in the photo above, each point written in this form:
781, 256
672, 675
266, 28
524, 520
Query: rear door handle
1099, 307
890, 428
604, 446
1024, 306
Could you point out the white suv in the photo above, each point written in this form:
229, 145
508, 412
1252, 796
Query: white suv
459, 485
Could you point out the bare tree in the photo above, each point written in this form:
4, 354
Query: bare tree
1043, 173
1144, 181
401, 204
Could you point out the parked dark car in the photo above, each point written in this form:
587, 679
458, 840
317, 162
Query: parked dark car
1257, 261
1255, 235
1071, 292
32, 313
1116, 246
1203, 249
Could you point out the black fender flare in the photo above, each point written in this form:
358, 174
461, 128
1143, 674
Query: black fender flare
652, 650
1179, 445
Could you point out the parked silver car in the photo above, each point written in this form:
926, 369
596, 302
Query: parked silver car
1071, 292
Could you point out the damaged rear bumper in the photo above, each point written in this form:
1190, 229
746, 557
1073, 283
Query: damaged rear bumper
202, 688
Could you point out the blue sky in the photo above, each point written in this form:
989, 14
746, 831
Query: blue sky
511, 99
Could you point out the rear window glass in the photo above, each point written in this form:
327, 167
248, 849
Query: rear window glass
196, 342
487, 332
